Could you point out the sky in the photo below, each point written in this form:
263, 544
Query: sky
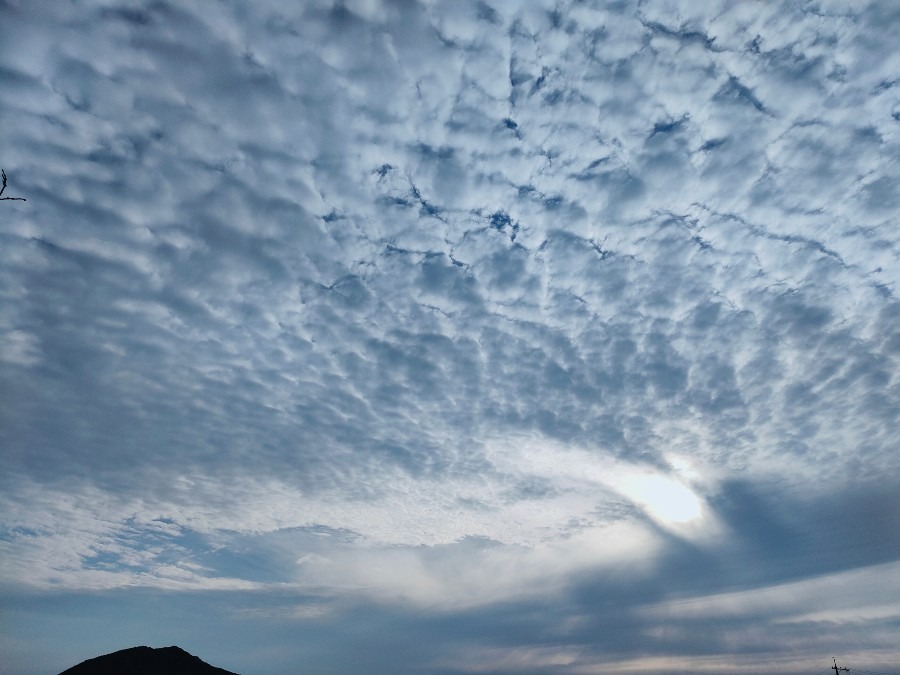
451, 337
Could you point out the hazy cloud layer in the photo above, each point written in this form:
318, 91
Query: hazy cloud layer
507, 325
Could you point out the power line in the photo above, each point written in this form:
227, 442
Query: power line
860, 671
3, 189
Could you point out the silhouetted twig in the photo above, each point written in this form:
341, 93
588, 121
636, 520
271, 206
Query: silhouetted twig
14, 199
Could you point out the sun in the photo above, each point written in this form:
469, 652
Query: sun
664, 499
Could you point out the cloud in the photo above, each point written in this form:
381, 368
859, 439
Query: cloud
442, 299
857, 595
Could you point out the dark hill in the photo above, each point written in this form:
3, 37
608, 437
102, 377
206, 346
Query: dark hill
146, 661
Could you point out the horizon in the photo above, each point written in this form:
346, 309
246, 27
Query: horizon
424, 336
836, 667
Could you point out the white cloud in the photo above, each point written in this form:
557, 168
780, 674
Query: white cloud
844, 597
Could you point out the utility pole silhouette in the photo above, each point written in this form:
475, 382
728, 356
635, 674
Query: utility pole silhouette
12, 199
835, 667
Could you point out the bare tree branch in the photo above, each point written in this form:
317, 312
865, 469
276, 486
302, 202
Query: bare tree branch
12, 199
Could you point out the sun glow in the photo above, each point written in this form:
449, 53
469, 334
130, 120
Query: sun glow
665, 499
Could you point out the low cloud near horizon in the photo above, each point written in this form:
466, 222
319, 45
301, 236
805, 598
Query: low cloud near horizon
451, 336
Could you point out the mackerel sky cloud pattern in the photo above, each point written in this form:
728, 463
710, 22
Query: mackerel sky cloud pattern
451, 336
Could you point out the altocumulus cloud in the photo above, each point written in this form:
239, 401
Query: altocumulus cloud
451, 336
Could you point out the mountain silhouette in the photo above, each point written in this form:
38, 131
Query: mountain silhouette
146, 661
